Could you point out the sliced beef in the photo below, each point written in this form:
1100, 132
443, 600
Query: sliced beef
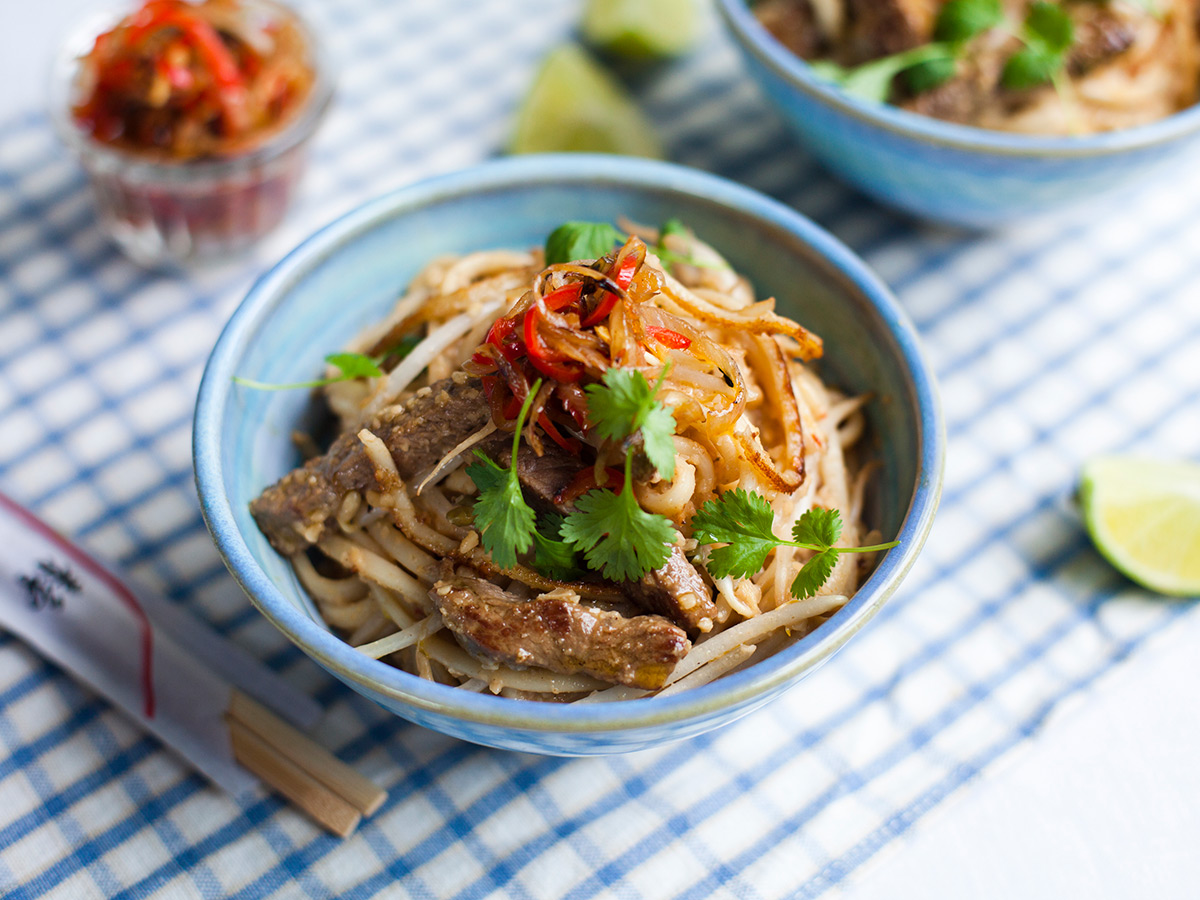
542, 477
559, 634
793, 24
292, 513
678, 592
882, 27
1101, 33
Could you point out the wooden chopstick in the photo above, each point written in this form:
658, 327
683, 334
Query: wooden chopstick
333, 793
325, 807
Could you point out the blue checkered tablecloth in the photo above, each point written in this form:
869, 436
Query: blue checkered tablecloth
1054, 341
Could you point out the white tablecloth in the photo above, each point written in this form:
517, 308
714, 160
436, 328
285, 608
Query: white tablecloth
885, 775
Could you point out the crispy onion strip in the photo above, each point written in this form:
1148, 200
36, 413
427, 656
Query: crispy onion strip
758, 321
775, 378
702, 355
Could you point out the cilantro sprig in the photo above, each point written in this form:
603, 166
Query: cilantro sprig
623, 403
669, 256
349, 366
873, 80
1047, 34
742, 522
609, 530
507, 524
616, 536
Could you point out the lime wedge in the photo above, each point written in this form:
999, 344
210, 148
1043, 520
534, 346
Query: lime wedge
575, 106
642, 29
1144, 516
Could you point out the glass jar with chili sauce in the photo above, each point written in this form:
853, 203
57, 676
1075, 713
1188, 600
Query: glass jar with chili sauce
192, 121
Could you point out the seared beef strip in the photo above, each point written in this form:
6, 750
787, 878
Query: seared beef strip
559, 634
293, 512
1101, 33
882, 27
679, 592
793, 24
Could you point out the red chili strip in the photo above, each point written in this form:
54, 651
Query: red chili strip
585, 480
567, 443
563, 296
669, 338
623, 276
540, 358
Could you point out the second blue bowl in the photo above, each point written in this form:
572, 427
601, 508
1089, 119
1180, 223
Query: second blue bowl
940, 170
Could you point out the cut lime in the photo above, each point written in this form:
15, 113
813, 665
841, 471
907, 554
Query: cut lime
575, 106
642, 29
1144, 516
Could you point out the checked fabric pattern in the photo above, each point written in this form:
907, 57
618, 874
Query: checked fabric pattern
1055, 341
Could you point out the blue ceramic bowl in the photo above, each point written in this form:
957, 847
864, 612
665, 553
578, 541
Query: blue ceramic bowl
942, 171
349, 274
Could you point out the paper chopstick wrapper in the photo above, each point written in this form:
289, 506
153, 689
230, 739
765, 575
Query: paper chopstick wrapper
170, 672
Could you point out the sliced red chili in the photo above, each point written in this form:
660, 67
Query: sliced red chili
540, 358
567, 443
513, 407
607, 301
622, 274
503, 336
669, 338
585, 480
563, 296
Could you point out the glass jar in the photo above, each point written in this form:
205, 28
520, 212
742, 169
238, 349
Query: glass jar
161, 210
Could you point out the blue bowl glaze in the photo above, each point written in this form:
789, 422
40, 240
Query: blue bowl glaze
942, 171
349, 274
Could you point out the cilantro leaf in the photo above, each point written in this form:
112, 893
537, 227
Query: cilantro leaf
658, 439
354, 365
1027, 68
742, 521
930, 74
670, 257
1048, 34
351, 366
818, 526
505, 520
961, 20
1049, 25
555, 558
580, 240
622, 404
873, 80
814, 573
506, 523
617, 537
669, 227
552, 556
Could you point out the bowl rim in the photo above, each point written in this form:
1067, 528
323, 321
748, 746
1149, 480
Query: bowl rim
731, 692
768, 51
